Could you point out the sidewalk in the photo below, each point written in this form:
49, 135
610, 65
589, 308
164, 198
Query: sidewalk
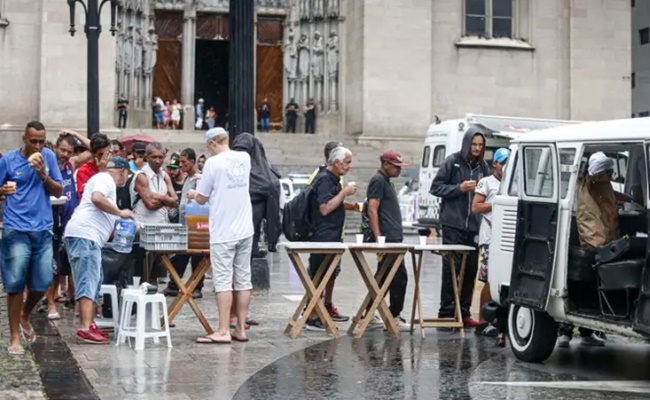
19, 375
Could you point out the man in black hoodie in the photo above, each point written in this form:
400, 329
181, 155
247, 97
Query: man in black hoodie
455, 184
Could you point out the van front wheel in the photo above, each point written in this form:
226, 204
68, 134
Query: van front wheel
532, 333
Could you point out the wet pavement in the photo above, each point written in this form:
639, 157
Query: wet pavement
377, 366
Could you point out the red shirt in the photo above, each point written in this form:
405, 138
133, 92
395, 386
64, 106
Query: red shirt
87, 171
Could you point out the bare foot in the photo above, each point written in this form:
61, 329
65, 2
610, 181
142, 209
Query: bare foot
28, 330
239, 336
215, 338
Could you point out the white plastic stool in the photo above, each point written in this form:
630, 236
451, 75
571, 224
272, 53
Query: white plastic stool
113, 322
140, 331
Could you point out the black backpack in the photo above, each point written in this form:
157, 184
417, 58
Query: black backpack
123, 195
296, 217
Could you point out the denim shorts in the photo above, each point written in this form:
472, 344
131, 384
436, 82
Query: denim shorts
27, 259
86, 260
159, 117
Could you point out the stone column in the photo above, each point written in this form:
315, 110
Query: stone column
241, 89
187, 80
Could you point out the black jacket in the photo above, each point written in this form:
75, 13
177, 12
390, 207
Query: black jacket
456, 206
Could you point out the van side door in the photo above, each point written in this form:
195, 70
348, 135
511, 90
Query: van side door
642, 313
537, 226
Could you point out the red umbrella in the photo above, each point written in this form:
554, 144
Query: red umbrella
128, 141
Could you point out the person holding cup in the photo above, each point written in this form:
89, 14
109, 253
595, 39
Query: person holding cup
454, 184
385, 220
29, 176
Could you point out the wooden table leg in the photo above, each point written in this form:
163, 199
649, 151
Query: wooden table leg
417, 258
458, 317
356, 319
376, 293
313, 294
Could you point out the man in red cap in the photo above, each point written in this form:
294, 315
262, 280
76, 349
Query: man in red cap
385, 219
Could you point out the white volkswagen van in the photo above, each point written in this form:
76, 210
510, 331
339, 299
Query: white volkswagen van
536, 265
445, 138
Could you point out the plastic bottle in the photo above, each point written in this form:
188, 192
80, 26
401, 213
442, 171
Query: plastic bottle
124, 234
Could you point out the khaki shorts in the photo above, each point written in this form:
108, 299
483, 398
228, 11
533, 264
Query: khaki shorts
231, 263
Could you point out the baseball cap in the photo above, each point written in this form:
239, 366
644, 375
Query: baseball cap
174, 161
331, 146
501, 155
393, 157
117, 163
213, 133
139, 147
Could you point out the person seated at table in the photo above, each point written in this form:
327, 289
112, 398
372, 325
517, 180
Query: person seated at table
328, 210
87, 232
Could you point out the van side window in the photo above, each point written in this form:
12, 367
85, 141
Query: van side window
426, 156
538, 172
439, 155
567, 158
513, 164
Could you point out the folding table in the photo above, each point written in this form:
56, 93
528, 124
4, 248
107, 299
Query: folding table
333, 252
393, 254
444, 250
186, 289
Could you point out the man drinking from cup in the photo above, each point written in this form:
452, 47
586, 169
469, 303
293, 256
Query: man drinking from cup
454, 185
29, 176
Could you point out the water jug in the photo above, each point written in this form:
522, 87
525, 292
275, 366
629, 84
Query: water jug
124, 234
198, 226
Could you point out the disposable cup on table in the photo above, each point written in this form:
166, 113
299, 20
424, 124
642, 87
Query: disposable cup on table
136, 281
423, 240
359, 239
381, 240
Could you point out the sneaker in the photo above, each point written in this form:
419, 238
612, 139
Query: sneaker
94, 328
593, 341
90, 337
486, 329
169, 292
563, 341
315, 325
336, 316
470, 323
402, 325
197, 294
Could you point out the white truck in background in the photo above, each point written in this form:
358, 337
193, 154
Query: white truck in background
445, 138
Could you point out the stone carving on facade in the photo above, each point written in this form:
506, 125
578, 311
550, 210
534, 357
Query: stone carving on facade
128, 52
317, 57
333, 55
304, 9
303, 58
151, 52
137, 51
291, 57
119, 48
318, 11
333, 8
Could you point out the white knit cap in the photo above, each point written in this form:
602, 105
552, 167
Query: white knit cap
599, 162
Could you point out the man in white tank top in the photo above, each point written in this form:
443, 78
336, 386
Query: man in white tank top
153, 192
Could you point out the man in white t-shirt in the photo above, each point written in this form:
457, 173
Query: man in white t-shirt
486, 190
87, 231
225, 184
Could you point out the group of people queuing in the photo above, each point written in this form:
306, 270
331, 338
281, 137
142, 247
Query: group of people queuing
99, 183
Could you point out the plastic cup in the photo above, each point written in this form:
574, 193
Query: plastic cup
423, 240
136, 281
381, 240
12, 185
359, 239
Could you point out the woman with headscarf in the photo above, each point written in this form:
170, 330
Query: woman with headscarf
264, 191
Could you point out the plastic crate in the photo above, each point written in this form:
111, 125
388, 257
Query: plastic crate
163, 237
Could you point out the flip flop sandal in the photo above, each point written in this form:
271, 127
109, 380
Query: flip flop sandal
29, 337
237, 339
234, 325
251, 322
209, 340
54, 316
16, 350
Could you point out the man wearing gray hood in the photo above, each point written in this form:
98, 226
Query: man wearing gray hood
455, 184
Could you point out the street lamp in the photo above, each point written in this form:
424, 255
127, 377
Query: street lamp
93, 29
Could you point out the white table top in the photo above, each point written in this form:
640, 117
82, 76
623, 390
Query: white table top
442, 247
313, 245
380, 246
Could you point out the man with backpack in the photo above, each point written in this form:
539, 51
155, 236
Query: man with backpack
455, 184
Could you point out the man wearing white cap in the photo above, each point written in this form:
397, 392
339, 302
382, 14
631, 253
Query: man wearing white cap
225, 184
597, 219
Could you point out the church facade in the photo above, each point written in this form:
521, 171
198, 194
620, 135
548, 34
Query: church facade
375, 68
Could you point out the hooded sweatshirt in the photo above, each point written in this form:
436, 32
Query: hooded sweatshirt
456, 206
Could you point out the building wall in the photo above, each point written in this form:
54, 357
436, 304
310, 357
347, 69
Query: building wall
566, 61
352, 87
640, 59
43, 69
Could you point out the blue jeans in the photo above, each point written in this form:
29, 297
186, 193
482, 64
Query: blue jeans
27, 259
86, 261
265, 124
